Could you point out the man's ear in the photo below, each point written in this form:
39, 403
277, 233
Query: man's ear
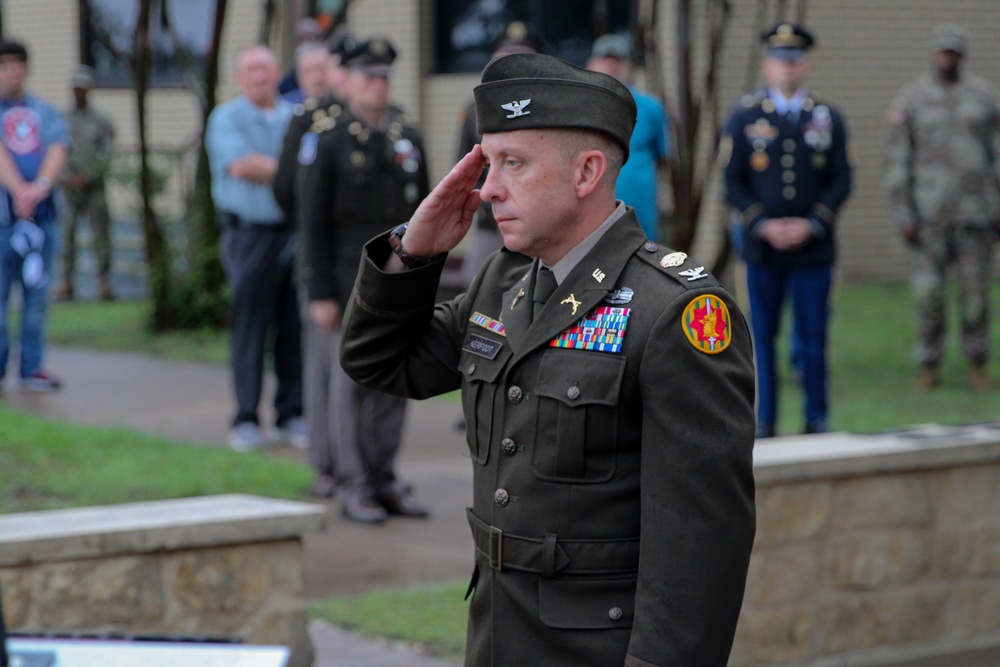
590, 170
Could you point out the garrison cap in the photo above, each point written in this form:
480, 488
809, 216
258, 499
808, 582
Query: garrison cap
788, 41
82, 77
531, 91
950, 37
374, 57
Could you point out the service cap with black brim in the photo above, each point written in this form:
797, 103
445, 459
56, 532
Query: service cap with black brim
532, 91
787, 41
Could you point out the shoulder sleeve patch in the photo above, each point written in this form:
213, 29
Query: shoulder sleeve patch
707, 324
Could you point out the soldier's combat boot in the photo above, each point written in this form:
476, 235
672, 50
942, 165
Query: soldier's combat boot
928, 378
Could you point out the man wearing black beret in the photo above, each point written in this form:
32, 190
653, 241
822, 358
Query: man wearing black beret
607, 385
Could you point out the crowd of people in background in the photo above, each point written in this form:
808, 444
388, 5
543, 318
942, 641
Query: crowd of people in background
309, 164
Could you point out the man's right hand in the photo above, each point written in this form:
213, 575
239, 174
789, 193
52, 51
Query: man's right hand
445, 215
325, 313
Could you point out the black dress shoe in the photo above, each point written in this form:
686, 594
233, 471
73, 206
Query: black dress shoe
404, 504
817, 426
363, 509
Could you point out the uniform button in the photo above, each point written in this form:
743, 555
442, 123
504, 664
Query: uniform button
787, 161
615, 613
788, 145
514, 394
573, 393
759, 145
472, 369
508, 446
501, 497
788, 176
650, 247
788, 192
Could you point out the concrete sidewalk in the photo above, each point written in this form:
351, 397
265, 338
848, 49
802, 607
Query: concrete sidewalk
193, 403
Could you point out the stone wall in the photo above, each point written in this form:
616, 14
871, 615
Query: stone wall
874, 550
220, 567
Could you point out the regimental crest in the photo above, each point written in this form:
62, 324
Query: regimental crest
516, 108
707, 324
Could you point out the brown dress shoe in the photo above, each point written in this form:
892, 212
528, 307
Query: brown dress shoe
404, 504
978, 379
928, 378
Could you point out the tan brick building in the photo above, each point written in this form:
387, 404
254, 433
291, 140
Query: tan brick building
865, 51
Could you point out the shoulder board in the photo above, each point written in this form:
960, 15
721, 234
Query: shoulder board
677, 265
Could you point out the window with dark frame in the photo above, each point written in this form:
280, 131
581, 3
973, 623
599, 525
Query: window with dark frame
467, 30
179, 34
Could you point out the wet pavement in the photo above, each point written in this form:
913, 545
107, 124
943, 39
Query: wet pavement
192, 403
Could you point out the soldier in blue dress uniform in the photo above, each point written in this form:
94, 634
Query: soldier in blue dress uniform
787, 175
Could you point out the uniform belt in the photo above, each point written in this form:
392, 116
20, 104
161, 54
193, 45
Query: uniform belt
549, 555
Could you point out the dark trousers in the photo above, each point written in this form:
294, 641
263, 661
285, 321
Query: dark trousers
809, 290
258, 263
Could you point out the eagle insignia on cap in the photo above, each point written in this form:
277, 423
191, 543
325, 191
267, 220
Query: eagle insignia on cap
516, 108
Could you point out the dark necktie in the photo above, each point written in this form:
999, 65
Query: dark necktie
545, 285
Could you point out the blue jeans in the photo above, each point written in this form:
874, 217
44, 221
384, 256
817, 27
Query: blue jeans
34, 299
809, 288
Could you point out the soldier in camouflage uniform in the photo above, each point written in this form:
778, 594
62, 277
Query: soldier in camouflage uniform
92, 137
942, 183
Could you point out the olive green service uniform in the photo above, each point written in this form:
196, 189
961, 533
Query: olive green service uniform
353, 182
610, 434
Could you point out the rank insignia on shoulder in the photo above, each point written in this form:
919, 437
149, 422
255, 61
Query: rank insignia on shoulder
707, 324
602, 330
673, 259
696, 273
307, 148
488, 323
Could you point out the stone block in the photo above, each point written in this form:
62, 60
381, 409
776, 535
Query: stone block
772, 636
949, 550
15, 588
792, 512
853, 622
882, 501
117, 594
985, 546
870, 560
227, 579
783, 575
290, 628
967, 492
976, 609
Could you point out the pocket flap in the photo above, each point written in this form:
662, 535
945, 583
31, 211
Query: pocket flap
587, 604
592, 379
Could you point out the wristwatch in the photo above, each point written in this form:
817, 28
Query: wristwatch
408, 260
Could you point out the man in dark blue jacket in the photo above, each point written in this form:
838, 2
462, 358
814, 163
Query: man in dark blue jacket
787, 175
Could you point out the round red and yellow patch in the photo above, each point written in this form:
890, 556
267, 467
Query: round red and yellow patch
707, 325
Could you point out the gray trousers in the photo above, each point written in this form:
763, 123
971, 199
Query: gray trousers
366, 430
320, 351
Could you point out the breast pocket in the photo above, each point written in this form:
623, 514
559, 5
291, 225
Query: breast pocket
577, 417
480, 388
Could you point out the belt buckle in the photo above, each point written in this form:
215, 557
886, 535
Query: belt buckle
499, 548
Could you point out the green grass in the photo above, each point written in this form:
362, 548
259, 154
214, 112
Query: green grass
49, 464
434, 617
124, 326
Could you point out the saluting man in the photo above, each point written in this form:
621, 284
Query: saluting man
607, 385
787, 175
361, 168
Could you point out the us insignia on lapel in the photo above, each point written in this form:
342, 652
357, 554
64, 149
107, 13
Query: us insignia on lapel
601, 330
707, 325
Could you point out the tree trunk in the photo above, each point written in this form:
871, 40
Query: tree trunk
157, 251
